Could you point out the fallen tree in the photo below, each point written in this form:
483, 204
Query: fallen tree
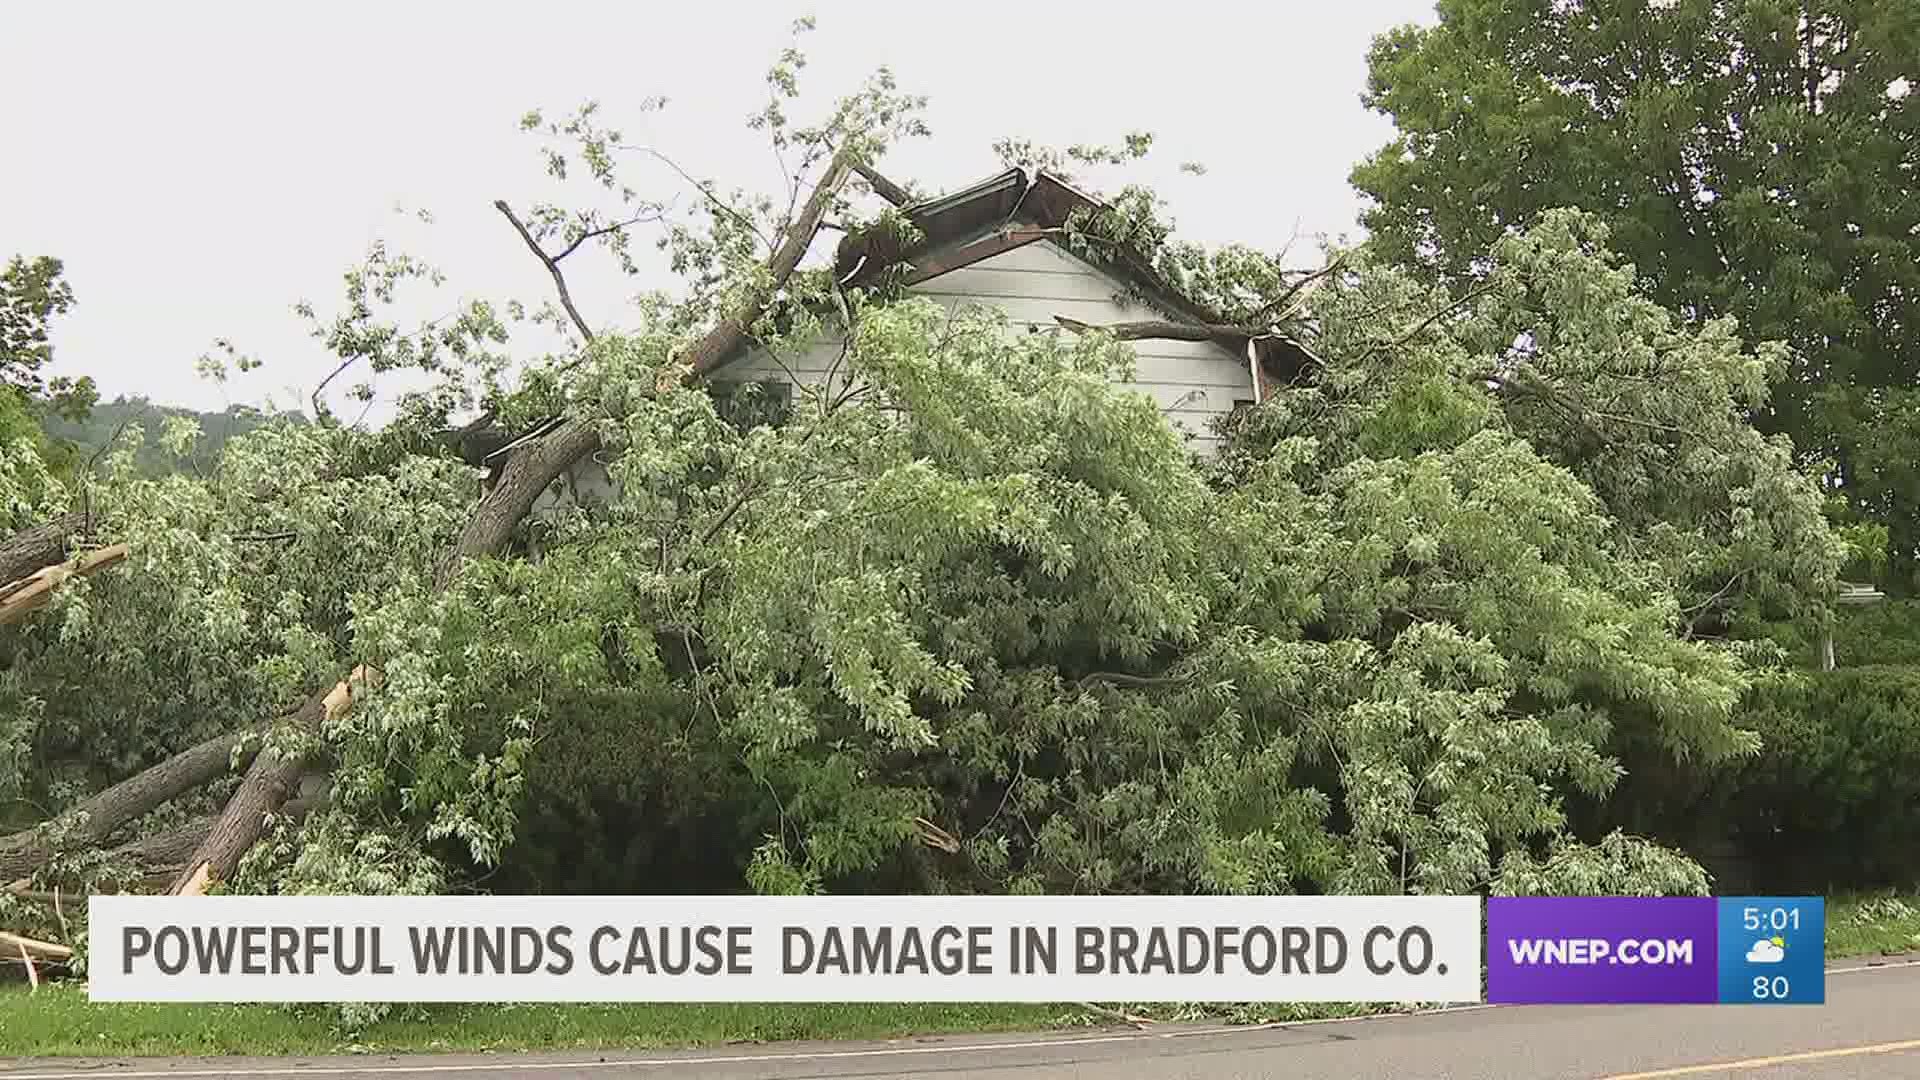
529, 469
980, 622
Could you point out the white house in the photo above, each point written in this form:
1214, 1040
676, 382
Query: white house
1000, 243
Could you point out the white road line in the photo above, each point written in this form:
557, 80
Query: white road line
1748, 1064
694, 1061
1874, 967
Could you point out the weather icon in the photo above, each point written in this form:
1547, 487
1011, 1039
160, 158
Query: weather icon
1768, 951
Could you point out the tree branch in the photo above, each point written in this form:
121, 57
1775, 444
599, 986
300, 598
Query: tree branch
706, 190
882, 186
1280, 302
42, 950
1231, 335
1695, 612
552, 264
1157, 330
713, 528
1575, 411
602, 231
1421, 327
1114, 678
319, 409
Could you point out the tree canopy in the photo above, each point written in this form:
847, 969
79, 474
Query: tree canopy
32, 293
1753, 160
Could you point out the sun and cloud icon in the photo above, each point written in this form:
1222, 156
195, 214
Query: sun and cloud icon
1767, 951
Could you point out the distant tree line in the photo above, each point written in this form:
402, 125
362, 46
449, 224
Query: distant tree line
141, 418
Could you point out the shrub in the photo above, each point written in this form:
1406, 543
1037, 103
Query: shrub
1834, 796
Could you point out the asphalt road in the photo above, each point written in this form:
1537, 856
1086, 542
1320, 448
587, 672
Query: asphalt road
1869, 1028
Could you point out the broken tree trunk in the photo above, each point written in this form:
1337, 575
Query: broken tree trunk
41, 951
269, 783
92, 822
27, 595
529, 469
43, 545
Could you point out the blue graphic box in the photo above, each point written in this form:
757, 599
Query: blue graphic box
1773, 950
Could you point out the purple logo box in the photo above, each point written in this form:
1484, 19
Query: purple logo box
1602, 950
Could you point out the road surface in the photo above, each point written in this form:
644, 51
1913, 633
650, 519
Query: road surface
1869, 1028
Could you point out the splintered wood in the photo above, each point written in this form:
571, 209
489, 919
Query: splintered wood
334, 704
340, 698
30, 947
31, 593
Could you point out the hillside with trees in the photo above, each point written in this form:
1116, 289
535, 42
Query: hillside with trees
104, 424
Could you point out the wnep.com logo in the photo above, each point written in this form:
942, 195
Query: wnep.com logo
1673, 950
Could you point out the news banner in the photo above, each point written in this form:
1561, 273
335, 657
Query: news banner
1423, 950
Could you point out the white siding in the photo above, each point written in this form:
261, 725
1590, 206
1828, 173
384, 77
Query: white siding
1191, 381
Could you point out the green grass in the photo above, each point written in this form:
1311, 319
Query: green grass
59, 1021
1873, 924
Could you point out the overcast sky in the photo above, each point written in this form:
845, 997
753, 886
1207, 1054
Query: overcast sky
200, 167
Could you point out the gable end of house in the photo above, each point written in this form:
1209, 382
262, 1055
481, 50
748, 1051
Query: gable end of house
1001, 244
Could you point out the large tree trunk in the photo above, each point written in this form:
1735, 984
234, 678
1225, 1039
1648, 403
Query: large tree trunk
157, 859
165, 852
529, 469
94, 821
268, 785
527, 474
42, 546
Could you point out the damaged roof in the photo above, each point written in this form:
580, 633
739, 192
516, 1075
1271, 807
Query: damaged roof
1013, 209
